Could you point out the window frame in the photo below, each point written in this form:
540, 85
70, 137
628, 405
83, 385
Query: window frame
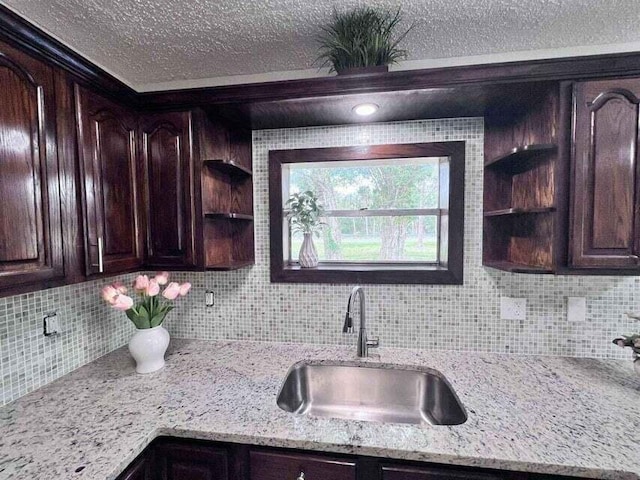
451, 273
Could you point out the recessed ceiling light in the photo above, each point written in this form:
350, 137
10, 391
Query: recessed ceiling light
365, 109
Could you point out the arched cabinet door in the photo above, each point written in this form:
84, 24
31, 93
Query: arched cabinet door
31, 249
166, 152
107, 138
605, 229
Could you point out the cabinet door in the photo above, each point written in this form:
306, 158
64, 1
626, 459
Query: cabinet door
295, 466
110, 168
30, 224
180, 461
605, 189
391, 472
166, 151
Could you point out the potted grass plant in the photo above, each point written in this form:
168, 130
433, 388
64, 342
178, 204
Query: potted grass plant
304, 212
362, 40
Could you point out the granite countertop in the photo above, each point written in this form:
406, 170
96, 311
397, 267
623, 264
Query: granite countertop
539, 414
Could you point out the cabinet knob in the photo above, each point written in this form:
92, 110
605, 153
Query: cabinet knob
301, 476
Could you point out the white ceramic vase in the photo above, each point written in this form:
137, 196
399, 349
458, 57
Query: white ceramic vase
147, 347
308, 256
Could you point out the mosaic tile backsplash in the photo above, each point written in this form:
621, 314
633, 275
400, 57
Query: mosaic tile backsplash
463, 317
249, 307
88, 330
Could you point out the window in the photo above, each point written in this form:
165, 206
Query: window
393, 213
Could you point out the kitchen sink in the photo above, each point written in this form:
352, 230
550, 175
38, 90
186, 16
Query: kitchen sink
395, 394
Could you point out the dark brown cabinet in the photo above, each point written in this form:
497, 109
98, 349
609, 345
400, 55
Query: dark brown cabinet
605, 226
110, 169
31, 248
394, 472
267, 465
183, 459
167, 155
180, 461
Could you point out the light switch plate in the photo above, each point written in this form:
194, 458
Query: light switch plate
513, 308
576, 309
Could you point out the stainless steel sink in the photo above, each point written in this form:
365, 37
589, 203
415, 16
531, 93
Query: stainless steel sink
396, 394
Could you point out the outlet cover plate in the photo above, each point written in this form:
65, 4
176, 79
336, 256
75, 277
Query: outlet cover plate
513, 308
576, 309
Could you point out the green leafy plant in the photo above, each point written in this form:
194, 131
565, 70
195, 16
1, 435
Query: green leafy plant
362, 37
304, 212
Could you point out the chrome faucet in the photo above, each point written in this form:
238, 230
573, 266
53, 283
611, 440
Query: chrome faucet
363, 343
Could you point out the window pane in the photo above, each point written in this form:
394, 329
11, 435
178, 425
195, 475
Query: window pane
375, 239
371, 184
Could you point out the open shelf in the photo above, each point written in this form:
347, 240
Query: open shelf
521, 158
522, 184
228, 215
506, 266
236, 265
518, 211
229, 167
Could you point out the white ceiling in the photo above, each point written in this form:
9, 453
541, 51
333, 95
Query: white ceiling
162, 44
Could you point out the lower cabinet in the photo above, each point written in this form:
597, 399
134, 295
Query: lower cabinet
428, 473
299, 466
181, 459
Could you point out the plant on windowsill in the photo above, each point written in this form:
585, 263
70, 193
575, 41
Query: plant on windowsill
149, 344
362, 40
304, 212
632, 341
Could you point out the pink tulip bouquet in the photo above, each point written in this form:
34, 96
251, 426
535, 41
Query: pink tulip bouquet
152, 306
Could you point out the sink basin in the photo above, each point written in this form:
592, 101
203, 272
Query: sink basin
395, 394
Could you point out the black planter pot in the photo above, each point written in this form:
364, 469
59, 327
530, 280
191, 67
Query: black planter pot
364, 70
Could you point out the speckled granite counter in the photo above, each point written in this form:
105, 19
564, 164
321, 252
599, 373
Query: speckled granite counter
541, 414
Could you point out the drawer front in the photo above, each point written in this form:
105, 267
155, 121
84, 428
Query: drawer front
293, 466
392, 472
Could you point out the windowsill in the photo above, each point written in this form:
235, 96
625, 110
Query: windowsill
368, 273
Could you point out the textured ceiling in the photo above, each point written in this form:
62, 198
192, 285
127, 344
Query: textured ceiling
153, 42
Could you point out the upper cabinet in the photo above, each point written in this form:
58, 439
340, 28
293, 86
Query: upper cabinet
605, 193
31, 247
167, 154
107, 138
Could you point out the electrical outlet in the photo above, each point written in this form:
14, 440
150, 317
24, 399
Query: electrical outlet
209, 298
513, 308
576, 309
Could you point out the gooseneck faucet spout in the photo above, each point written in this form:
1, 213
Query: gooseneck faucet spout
363, 342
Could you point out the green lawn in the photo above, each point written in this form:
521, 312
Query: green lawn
359, 249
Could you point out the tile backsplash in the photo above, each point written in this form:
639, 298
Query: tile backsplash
463, 317
249, 307
88, 330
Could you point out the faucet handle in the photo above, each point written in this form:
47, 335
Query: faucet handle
373, 342
348, 323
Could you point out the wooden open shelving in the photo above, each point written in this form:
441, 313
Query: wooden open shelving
521, 184
228, 166
227, 197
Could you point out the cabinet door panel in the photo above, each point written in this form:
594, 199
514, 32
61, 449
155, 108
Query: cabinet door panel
178, 461
605, 216
30, 223
290, 466
166, 154
411, 473
109, 163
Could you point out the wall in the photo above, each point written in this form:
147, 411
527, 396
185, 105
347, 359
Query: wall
464, 317
249, 307
88, 330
